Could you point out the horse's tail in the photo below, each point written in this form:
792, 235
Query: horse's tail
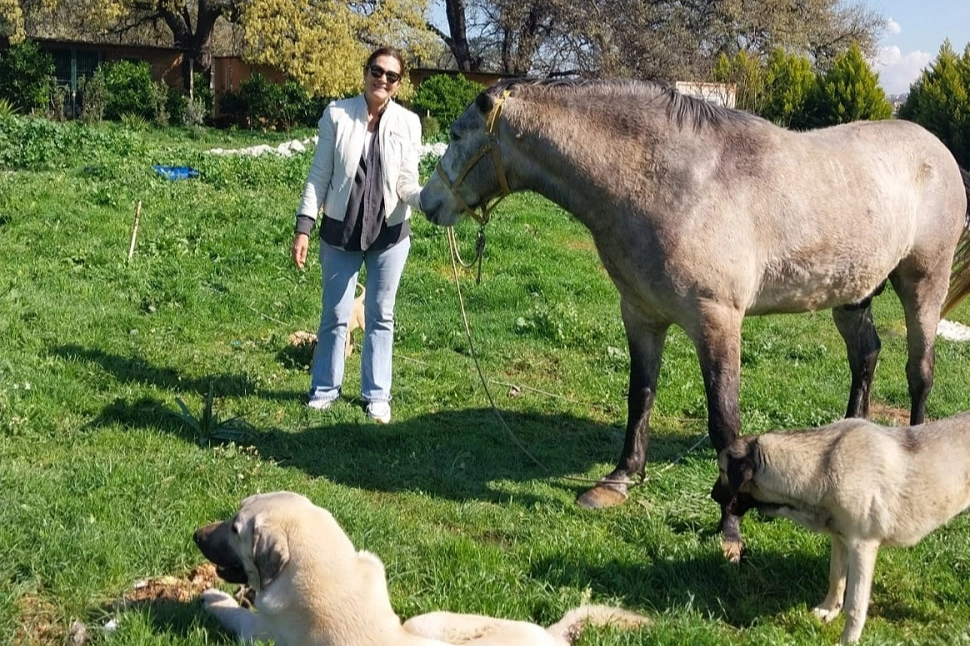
960, 273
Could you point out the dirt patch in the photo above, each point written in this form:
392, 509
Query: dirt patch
40, 623
170, 588
43, 624
883, 413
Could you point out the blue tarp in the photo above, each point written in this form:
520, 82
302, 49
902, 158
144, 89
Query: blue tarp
175, 172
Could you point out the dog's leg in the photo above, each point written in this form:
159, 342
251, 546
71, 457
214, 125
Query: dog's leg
862, 564
831, 606
237, 620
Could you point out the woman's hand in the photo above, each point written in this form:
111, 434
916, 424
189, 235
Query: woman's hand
301, 242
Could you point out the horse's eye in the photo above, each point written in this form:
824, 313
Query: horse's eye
454, 136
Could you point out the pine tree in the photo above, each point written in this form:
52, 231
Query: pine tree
940, 101
789, 81
746, 72
849, 91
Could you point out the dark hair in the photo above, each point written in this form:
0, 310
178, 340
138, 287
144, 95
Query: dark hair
393, 52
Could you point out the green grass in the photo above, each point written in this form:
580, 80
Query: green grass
102, 484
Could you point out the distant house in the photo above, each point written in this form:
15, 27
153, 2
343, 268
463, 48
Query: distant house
75, 60
724, 94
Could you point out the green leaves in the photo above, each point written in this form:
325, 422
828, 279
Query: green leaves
209, 427
940, 101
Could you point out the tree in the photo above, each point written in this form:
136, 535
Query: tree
670, 39
789, 83
11, 22
322, 44
849, 91
940, 101
746, 73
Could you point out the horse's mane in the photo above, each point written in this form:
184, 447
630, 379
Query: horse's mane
680, 108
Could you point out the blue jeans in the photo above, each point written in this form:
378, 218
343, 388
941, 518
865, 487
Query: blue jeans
339, 270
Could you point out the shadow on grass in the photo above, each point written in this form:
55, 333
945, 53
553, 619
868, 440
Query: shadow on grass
457, 454
764, 585
138, 370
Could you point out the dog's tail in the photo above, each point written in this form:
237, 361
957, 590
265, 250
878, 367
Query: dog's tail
571, 626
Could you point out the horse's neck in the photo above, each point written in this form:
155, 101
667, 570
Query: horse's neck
583, 167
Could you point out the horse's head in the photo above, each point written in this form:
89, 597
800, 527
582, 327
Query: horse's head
471, 171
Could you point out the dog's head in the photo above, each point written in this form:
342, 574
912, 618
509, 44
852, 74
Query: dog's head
253, 546
739, 463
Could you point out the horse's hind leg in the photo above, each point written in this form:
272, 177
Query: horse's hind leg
921, 294
862, 345
646, 342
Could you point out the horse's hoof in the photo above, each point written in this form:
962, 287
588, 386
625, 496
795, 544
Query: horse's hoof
732, 550
603, 496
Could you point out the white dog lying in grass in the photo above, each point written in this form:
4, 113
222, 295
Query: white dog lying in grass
313, 588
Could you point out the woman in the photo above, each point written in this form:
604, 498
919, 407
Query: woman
364, 176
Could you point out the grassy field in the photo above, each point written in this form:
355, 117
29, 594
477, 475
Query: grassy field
102, 483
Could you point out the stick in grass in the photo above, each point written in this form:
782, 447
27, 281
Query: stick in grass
134, 232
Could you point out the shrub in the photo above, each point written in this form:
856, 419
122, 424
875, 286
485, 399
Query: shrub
130, 90
176, 103
444, 97
263, 100
195, 112
93, 93
430, 128
26, 76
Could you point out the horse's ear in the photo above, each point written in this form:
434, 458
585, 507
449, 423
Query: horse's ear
484, 102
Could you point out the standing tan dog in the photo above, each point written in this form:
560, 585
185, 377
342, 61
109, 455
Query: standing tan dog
313, 588
865, 485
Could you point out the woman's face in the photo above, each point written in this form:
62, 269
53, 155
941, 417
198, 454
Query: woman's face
378, 88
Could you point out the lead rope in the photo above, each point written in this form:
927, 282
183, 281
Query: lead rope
455, 262
479, 252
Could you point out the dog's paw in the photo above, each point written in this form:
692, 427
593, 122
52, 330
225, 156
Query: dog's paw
215, 598
825, 613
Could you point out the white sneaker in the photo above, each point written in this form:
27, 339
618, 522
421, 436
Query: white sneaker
380, 412
320, 404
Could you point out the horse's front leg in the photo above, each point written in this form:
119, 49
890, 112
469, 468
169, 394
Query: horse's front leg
646, 342
717, 339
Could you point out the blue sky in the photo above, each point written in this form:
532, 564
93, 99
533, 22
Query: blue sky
915, 31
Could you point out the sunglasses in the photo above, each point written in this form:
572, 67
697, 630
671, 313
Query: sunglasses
377, 71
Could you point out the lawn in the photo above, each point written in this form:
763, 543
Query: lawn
102, 482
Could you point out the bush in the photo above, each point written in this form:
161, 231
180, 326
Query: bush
430, 128
444, 97
176, 103
26, 76
94, 97
263, 100
130, 90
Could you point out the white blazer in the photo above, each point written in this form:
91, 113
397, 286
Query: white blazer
340, 144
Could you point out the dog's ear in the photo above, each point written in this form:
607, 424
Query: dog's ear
270, 552
743, 463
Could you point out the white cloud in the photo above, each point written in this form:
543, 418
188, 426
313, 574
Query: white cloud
893, 27
897, 71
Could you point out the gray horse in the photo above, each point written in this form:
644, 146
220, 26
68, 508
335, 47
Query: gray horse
703, 215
